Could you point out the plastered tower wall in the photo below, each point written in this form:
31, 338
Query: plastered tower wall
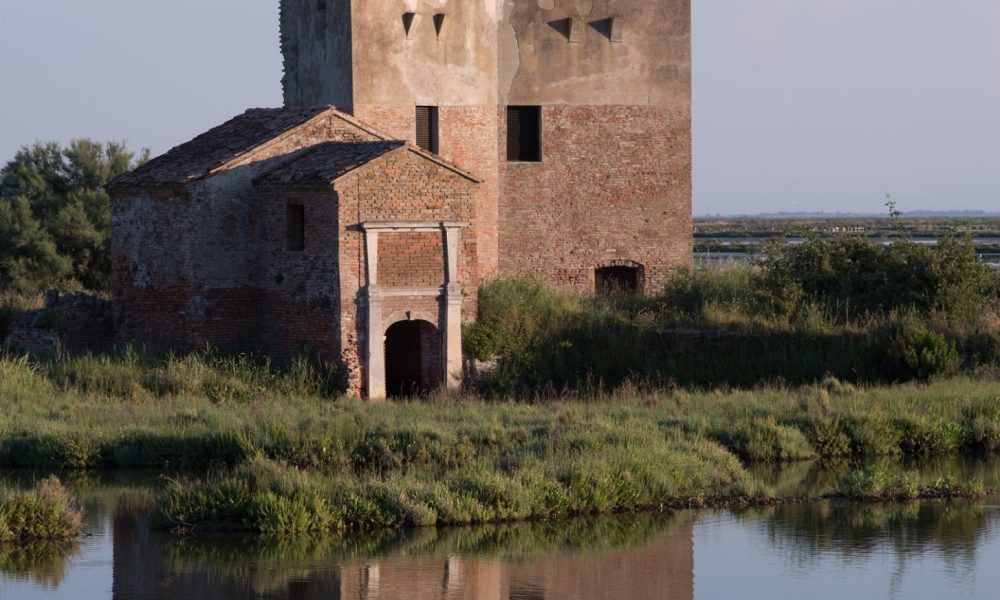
613, 78
317, 49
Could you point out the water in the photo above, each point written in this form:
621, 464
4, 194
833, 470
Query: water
723, 259
933, 549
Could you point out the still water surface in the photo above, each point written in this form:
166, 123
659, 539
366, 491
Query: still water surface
939, 549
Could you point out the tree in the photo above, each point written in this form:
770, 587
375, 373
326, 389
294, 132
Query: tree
55, 217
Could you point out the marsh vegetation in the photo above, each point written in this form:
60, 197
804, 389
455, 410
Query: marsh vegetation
838, 351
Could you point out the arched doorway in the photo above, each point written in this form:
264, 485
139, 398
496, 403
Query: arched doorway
411, 355
618, 279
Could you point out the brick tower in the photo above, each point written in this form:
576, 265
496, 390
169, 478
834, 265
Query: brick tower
575, 114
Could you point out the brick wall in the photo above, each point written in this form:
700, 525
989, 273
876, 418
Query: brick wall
405, 187
152, 282
204, 264
468, 138
301, 291
411, 260
613, 187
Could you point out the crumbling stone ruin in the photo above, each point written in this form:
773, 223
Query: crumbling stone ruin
424, 147
75, 322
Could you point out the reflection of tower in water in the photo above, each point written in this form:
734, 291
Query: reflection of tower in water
662, 570
157, 566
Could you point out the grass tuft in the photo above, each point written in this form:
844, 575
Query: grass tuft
45, 513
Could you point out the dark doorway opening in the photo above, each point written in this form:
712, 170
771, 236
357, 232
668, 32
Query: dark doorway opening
618, 280
404, 359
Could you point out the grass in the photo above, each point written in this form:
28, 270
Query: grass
272, 499
119, 413
877, 482
287, 461
45, 513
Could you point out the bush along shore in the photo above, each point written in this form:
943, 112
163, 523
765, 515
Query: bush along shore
849, 308
47, 513
842, 350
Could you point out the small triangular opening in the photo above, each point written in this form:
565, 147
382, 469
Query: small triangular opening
439, 24
610, 28
570, 28
408, 18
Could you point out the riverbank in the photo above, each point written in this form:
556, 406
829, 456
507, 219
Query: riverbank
269, 498
287, 459
185, 414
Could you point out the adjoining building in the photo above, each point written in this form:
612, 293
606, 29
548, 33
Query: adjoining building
471, 139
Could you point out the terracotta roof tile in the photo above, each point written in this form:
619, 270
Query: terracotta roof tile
324, 163
216, 147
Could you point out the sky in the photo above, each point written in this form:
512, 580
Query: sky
799, 105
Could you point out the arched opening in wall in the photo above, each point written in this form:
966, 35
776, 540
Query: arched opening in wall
618, 279
411, 358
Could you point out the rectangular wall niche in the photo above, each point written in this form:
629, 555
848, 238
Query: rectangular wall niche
295, 228
524, 133
427, 128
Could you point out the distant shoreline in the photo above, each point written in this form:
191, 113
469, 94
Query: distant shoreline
838, 215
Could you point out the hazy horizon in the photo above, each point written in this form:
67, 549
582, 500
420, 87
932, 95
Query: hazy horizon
821, 106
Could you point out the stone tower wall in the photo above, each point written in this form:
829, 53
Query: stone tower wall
613, 76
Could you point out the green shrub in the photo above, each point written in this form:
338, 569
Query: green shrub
911, 350
873, 436
830, 439
922, 436
514, 314
983, 432
881, 482
46, 513
856, 277
696, 293
764, 440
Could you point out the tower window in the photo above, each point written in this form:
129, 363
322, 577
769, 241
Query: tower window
427, 128
295, 222
524, 133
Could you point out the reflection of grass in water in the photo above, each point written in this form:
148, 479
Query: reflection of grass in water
270, 563
41, 562
887, 478
953, 529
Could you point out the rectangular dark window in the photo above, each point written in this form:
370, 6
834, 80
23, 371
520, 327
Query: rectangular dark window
295, 221
427, 128
524, 133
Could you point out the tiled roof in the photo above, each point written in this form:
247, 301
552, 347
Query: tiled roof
217, 147
324, 163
